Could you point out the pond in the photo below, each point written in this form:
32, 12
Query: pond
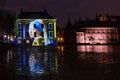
73, 62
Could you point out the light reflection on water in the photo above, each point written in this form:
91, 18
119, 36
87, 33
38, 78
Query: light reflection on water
71, 62
89, 62
34, 61
95, 48
98, 53
9, 56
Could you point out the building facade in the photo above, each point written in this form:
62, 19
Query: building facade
103, 30
98, 35
35, 28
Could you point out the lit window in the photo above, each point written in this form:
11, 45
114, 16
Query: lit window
50, 26
19, 30
19, 25
50, 34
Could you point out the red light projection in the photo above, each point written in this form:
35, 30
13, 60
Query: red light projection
97, 35
80, 37
96, 53
95, 48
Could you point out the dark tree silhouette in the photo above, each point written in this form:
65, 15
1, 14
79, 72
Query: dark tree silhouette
7, 20
69, 24
2, 3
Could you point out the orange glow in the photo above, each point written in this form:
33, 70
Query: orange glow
60, 39
60, 49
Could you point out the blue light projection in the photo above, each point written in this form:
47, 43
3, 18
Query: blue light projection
36, 60
36, 32
32, 62
24, 32
37, 25
24, 57
22, 60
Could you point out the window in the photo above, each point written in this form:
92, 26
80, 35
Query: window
18, 34
19, 30
19, 25
50, 34
50, 26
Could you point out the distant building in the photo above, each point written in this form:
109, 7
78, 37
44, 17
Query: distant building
60, 35
35, 28
104, 30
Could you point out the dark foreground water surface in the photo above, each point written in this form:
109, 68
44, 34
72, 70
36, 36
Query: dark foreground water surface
81, 62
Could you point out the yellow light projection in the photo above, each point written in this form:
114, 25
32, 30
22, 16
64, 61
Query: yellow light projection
39, 32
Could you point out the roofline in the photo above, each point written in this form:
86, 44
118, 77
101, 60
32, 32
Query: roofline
33, 18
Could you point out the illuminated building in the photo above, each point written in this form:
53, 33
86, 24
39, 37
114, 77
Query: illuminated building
60, 35
104, 30
35, 28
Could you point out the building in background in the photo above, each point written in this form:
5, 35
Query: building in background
35, 28
104, 29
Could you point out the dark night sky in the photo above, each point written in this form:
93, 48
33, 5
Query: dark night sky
64, 9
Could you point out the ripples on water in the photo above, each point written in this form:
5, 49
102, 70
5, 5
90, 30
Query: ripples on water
98, 53
83, 62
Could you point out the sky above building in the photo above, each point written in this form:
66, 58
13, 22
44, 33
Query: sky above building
64, 9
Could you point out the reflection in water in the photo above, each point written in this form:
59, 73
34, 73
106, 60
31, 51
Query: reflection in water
94, 48
36, 60
9, 56
21, 58
96, 53
89, 62
83, 62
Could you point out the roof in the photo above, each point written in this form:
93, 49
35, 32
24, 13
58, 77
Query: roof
100, 21
94, 24
34, 15
98, 24
114, 18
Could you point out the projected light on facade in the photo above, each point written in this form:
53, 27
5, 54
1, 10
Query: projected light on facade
37, 32
98, 35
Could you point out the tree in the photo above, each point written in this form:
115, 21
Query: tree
69, 24
7, 20
2, 3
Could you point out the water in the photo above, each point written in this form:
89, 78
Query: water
91, 62
82, 62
